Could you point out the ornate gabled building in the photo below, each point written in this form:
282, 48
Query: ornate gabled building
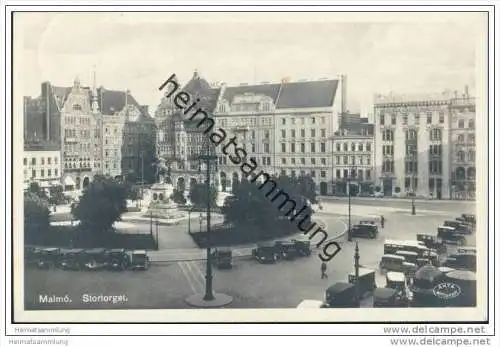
97, 130
179, 140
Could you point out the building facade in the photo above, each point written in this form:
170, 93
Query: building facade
463, 150
415, 138
285, 127
41, 164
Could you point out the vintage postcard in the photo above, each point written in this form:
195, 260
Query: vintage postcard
250, 167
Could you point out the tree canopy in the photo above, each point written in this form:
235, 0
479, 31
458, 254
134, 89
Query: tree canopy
102, 204
36, 217
198, 195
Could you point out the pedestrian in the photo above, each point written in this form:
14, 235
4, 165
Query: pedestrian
382, 221
323, 270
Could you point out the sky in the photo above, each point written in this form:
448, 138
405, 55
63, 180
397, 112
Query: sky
379, 53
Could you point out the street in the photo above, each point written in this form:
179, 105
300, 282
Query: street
167, 283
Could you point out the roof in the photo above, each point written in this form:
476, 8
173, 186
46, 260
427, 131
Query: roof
384, 293
393, 256
427, 272
340, 287
270, 90
307, 94
461, 275
395, 276
41, 145
363, 271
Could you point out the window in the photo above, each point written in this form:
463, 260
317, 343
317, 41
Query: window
360, 160
393, 119
368, 174
337, 159
346, 173
471, 124
405, 119
49, 172
441, 117
253, 134
360, 147
337, 147
382, 119
472, 155
283, 161
472, 138
292, 132
461, 138
416, 118
33, 173
388, 150
345, 160
302, 133
266, 147
313, 132
337, 173
313, 120
429, 117
77, 107
303, 161
322, 147
323, 161
322, 173
435, 135
435, 167
56, 172
253, 147
346, 147
283, 134
266, 134
313, 161
368, 147
323, 120
313, 173
388, 135
302, 147
313, 147
293, 160
461, 124
25, 161
283, 148
460, 156
283, 121
388, 166
293, 120
353, 160
33, 161
323, 132
411, 135
353, 147
42, 173
368, 160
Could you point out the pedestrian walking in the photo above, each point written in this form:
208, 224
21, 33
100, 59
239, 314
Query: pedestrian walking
382, 222
323, 270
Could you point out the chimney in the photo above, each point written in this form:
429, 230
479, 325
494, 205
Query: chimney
343, 96
466, 91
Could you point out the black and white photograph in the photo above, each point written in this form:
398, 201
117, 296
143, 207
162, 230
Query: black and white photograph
331, 165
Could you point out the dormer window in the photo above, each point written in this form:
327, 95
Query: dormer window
77, 107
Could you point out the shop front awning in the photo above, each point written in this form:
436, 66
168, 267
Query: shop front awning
68, 181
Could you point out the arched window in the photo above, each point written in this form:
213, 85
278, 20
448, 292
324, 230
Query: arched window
460, 173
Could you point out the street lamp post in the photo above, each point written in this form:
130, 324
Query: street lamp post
413, 211
157, 241
356, 272
349, 178
201, 219
189, 221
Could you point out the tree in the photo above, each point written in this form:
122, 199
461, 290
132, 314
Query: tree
306, 188
101, 205
37, 190
56, 195
36, 217
198, 195
178, 197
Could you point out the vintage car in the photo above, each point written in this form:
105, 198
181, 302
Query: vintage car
410, 257
469, 217
391, 262
392, 246
31, 255
364, 230
388, 297
464, 261
302, 246
285, 249
432, 242
341, 294
95, 259
450, 235
72, 259
460, 228
311, 304
265, 252
368, 221
117, 259
366, 280
139, 260
48, 257
223, 258
467, 250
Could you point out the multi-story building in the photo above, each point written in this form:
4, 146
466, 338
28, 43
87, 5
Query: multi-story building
463, 150
353, 154
179, 141
286, 127
413, 144
41, 163
88, 123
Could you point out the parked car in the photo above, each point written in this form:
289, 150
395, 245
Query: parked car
460, 228
95, 259
341, 294
139, 260
303, 246
449, 235
285, 249
364, 230
117, 259
265, 252
432, 242
462, 261
48, 258
388, 297
469, 217
223, 258
72, 259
